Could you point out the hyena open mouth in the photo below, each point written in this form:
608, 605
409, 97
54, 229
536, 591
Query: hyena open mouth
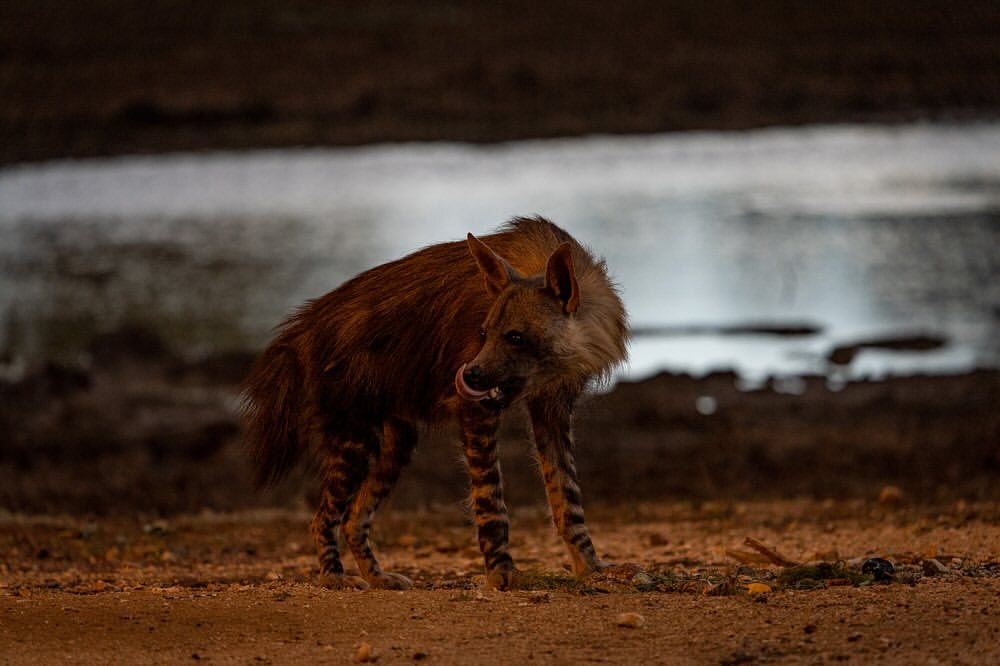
468, 393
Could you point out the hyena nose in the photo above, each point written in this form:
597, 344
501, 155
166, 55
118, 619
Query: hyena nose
474, 378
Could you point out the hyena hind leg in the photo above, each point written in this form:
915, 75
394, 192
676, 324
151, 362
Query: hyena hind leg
399, 438
344, 472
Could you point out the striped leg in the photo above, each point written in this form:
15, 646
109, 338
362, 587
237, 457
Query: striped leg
344, 471
398, 441
554, 443
480, 448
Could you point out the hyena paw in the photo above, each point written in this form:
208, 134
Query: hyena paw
339, 581
501, 577
389, 581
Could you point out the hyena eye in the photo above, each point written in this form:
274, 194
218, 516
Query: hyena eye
482, 332
514, 337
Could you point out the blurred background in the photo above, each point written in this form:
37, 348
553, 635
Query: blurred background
801, 203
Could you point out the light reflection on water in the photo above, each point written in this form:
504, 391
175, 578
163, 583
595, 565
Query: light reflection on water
862, 230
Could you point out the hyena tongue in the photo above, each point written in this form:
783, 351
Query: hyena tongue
466, 391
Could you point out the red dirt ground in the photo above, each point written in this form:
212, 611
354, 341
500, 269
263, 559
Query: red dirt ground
239, 588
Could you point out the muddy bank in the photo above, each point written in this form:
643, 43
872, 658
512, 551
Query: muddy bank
135, 427
115, 77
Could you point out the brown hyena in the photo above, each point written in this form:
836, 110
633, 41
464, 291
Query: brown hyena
456, 330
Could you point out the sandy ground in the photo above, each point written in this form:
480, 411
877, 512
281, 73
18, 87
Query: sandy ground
239, 588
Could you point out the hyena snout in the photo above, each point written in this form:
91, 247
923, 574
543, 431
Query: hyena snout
481, 375
478, 383
476, 377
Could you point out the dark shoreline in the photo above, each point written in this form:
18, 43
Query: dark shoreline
141, 429
113, 77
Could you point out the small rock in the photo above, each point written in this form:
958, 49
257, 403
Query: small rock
619, 573
890, 496
658, 539
809, 628
419, 655
880, 569
630, 620
908, 574
157, 528
643, 579
88, 530
855, 637
933, 567
755, 589
365, 654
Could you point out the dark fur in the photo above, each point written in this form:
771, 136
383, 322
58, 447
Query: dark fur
350, 373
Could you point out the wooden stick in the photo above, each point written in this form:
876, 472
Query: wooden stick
747, 556
778, 559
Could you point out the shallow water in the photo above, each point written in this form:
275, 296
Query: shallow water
862, 231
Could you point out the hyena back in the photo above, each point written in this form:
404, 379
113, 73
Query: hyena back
454, 331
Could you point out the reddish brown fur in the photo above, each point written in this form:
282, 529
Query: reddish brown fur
381, 351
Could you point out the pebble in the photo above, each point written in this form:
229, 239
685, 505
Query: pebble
934, 567
643, 579
630, 620
658, 539
880, 569
890, 496
157, 528
365, 654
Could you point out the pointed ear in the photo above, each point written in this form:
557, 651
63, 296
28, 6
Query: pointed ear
496, 271
560, 278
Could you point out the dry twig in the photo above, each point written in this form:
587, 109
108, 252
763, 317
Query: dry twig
771, 555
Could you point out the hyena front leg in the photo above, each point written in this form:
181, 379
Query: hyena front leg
398, 441
554, 443
344, 469
479, 441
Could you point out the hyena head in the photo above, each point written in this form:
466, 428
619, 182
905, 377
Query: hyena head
527, 332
